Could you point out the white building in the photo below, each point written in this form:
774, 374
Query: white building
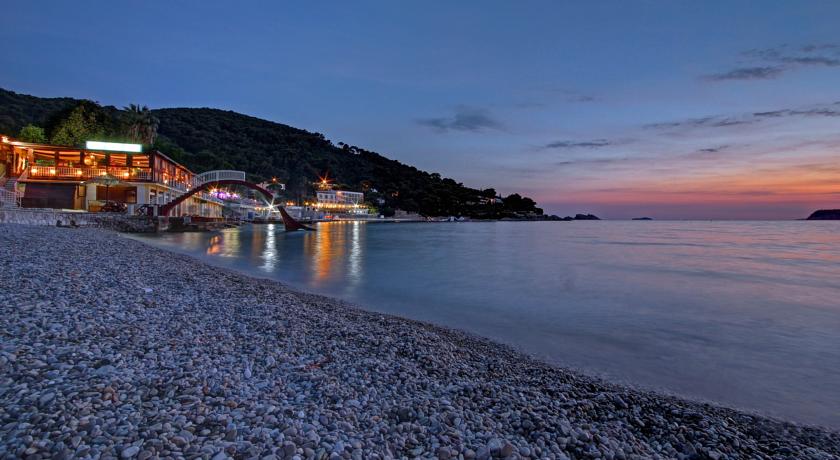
341, 201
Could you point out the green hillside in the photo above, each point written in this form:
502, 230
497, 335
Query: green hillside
204, 139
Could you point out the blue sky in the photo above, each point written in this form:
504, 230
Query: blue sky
668, 109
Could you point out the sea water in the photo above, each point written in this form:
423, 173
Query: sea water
746, 314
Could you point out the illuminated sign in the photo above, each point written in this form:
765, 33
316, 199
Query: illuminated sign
113, 146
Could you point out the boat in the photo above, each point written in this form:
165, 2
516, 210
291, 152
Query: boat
291, 224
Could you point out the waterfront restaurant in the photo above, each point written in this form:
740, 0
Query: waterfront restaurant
53, 176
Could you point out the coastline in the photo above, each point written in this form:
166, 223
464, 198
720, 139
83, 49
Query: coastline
214, 363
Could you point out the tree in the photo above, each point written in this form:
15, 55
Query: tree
518, 203
32, 133
489, 193
141, 124
84, 122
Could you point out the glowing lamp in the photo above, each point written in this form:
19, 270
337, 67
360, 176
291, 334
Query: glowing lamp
34, 170
52, 171
113, 146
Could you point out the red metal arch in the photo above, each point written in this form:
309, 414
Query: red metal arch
168, 207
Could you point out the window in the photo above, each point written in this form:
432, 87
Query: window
118, 159
140, 161
68, 159
44, 158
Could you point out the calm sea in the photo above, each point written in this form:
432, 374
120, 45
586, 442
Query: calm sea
743, 313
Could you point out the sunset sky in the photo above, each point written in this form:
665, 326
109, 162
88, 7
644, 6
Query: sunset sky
724, 109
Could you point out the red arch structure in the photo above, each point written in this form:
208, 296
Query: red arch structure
168, 207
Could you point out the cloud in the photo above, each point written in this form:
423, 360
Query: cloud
821, 46
704, 122
595, 143
717, 149
580, 98
811, 60
771, 114
773, 62
590, 161
725, 121
470, 119
568, 95
812, 112
748, 73
543, 97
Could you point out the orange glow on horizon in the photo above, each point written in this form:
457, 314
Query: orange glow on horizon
802, 184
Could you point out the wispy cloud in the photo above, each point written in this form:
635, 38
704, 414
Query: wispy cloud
717, 149
704, 122
591, 161
812, 112
565, 144
465, 118
724, 121
576, 97
748, 73
773, 62
546, 97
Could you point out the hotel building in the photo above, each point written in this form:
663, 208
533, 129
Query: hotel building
341, 201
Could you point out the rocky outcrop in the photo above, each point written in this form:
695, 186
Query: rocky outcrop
825, 214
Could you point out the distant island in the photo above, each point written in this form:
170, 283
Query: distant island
558, 218
825, 214
643, 218
576, 217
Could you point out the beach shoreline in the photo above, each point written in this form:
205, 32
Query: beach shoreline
113, 347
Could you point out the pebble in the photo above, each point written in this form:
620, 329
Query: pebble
130, 452
193, 361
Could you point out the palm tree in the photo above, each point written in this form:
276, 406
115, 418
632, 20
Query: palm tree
142, 124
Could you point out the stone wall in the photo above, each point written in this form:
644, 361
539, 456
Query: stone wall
55, 217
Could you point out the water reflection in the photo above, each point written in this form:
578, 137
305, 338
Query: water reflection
258, 243
354, 261
269, 252
225, 244
335, 253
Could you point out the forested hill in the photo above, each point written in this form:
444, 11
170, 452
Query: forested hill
204, 139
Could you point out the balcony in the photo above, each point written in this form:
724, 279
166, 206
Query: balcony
82, 174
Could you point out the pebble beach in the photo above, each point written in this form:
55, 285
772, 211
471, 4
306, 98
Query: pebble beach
110, 348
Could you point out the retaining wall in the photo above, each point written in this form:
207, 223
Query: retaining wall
55, 217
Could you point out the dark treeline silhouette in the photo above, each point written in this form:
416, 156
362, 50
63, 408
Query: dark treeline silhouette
205, 139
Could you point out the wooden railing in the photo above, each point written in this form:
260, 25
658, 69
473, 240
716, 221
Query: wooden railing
67, 172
